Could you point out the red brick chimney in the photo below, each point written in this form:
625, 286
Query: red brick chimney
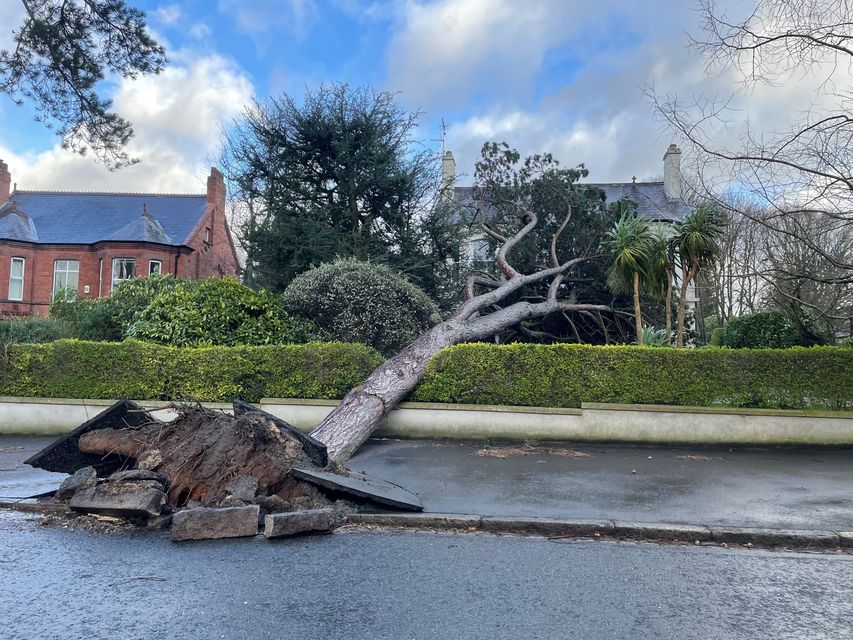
216, 189
5, 182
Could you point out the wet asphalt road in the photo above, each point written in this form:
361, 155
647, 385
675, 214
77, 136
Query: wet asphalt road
375, 585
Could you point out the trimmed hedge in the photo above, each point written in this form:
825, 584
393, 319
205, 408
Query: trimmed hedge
144, 371
515, 374
567, 375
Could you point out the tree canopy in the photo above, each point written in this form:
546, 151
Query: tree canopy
63, 50
338, 173
507, 187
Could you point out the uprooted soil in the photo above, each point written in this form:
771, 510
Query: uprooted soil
201, 451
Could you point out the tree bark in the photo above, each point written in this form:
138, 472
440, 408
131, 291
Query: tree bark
687, 276
638, 314
668, 309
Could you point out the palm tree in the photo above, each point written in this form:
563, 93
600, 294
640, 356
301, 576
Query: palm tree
628, 244
696, 240
661, 263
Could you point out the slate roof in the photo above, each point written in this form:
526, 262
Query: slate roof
61, 217
650, 198
15, 225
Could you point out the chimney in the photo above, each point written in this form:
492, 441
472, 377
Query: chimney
672, 172
216, 189
5, 182
448, 176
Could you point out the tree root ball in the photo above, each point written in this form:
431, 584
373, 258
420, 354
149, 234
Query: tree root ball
202, 450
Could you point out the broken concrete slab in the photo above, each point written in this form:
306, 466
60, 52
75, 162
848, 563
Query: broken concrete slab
83, 478
243, 488
314, 449
360, 488
64, 456
139, 474
208, 524
126, 499
279, 525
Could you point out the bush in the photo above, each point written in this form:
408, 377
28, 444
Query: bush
143, 371
718, 336
765, 330
217, 312
32, 330
567, 375
358, 301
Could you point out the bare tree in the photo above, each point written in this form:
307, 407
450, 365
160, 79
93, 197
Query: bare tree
350, 424
735, 280
791, 176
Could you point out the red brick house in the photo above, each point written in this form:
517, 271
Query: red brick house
88, 242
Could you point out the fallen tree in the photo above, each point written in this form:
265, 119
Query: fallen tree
358, 415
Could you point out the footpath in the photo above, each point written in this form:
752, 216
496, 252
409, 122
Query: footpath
795, 497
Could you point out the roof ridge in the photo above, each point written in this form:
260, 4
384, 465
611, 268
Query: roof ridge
104, 193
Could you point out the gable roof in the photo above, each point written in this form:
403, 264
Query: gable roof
650, 198
16, 225
62, 217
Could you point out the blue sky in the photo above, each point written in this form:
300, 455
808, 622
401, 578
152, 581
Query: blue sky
562, 76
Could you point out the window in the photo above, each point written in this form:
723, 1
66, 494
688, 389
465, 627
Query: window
16, 279
155, 267
207, 235
65, 276
123, 269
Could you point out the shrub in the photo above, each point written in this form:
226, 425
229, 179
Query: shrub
765, 330
86, 319
567, 375
144, 371
32, 330
217, 312
358, 301
718, 336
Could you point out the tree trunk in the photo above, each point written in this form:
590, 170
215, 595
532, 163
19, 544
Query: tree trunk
358, 415
668, 309
638, 315
687, 276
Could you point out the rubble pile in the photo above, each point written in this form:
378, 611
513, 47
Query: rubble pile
209, 474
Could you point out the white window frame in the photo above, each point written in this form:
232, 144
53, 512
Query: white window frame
14, 278
159, 264
207, 234
66, 271
113, 280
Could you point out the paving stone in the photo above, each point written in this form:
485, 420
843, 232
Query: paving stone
206, 524
80, 479
243, 488
62, 455
139, 474
279, 525
360, 488
128, 499
314, 449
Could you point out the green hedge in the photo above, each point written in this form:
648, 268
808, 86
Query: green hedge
517, 374
567, 375
77, 369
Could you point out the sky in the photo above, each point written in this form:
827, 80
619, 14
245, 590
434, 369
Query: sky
559, 76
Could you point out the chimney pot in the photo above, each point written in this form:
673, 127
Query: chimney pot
672, 172
448, 175
5, 182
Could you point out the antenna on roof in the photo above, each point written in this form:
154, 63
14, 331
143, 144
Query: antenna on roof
443, 136
634, 180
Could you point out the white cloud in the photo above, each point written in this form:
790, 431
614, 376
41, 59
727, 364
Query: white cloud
199, 31
176, 117
168, 14
11, 16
